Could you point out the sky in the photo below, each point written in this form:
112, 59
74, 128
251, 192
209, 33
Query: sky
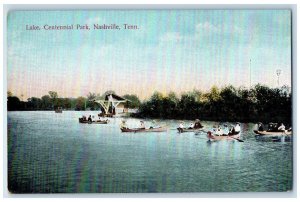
172, 50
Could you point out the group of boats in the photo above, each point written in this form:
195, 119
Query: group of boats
215, 134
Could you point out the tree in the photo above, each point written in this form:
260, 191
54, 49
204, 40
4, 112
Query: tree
80, 103
91, 96
54, 97
13, 103
133, 102
46, 102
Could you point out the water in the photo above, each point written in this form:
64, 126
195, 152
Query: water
53, 153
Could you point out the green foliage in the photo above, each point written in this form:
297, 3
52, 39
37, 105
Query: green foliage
227, 104
134, 101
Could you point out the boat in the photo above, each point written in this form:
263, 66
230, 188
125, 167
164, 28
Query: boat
136, 130
185, 130
272, 134
81, 120
212, 137
58, 110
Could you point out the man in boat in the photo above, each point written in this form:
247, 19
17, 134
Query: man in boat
123, 125
197, 124
83, 118
142, 125
281, 128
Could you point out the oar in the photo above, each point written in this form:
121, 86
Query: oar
237, 139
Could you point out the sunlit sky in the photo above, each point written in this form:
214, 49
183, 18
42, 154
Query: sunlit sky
173, 50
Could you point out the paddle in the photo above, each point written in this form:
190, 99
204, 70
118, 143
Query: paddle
237, 139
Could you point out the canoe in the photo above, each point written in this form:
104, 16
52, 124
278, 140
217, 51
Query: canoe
272, 134
93, 122
212, 137
136, 130
185, 130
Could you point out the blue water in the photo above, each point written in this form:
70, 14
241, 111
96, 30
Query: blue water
53, 153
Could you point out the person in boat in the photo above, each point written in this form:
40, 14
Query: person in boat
90, 118
226, 129
83, 118
123, 125
237, 128
180, 128
197, 124
219, 131
192, 125
272, 127
142, 125
260, 127
281, 128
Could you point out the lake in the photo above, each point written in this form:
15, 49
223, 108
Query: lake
52, 153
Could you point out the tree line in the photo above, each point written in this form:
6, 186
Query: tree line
52, 101
259, 103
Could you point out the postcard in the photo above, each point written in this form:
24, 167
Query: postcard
149, 101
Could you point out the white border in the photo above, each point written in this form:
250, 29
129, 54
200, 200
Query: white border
182, 5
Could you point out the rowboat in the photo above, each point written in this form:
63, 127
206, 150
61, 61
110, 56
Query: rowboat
212, 137
273, 134
136, 130
58, 110
185, 130
93, 122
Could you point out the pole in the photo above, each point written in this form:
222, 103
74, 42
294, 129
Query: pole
278, 72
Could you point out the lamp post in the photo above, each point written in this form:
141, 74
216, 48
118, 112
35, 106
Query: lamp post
278, 72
